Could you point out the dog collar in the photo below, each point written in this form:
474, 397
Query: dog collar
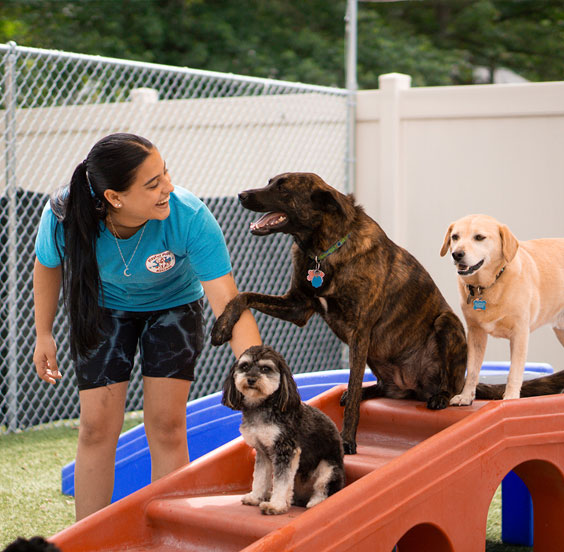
316, 275
480, 304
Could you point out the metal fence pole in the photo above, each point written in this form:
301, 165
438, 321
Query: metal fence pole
11, 196
352, 86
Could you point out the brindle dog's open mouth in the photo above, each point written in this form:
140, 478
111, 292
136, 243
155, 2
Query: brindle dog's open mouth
271, 222
465, 270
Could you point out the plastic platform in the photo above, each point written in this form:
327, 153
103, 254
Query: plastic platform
422, 479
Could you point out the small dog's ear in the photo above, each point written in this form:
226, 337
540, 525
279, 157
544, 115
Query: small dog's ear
288, 395
232, 397
446, 242
509, 243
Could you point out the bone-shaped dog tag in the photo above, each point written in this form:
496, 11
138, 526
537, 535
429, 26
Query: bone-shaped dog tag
315, 277
479, 304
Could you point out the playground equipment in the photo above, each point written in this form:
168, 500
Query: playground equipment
421, 479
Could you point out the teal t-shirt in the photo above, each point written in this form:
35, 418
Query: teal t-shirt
171, 259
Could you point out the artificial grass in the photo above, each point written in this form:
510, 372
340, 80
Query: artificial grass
31, 502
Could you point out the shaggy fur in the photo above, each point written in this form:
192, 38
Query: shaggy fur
299, 454
35, 544
507, 288
375, 296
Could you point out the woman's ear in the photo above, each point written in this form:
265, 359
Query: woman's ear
112, 197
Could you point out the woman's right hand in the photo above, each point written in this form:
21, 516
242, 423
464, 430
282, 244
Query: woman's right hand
45, 359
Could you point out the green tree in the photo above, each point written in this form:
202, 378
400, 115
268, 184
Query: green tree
437, 42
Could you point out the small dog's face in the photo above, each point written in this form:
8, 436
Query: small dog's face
477, 242
259, 373
256, 378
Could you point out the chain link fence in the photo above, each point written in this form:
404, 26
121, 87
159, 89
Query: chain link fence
219, 134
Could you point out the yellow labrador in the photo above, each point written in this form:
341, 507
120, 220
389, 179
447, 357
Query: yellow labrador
507, 289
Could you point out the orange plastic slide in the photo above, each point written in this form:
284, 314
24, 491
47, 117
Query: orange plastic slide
421, 479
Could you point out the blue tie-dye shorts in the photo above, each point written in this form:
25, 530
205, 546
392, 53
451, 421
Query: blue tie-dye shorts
169, 340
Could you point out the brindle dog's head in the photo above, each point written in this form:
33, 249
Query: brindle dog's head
294, 203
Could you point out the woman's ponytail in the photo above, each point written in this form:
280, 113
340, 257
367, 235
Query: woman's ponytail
81, 279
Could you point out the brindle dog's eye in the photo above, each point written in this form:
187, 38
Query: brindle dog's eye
479, 237
454, 237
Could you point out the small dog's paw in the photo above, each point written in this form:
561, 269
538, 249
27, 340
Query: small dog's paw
461, 400
315, 500
221, 332
438, 401
251, 500
271, 509
343, 401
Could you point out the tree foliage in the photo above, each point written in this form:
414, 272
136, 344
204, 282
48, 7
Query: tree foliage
437, 42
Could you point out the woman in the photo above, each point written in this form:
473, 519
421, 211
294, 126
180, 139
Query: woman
134, 257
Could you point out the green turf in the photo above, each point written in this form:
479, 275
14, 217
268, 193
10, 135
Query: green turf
31, 502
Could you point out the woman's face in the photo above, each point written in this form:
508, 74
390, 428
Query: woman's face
147, 198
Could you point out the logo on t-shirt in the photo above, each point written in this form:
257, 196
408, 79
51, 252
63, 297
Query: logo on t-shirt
161, 262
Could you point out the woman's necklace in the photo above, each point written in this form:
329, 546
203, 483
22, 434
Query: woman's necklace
116, 236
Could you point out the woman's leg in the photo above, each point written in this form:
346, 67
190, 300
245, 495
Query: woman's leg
101, 421
164, 412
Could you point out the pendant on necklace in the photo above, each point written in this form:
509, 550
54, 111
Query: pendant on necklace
315, 277
126, 272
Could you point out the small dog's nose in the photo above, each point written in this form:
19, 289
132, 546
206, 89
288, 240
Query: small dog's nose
251, 381
458, 255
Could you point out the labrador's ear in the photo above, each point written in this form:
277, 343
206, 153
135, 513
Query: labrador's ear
509, 243
232, 397
446, 242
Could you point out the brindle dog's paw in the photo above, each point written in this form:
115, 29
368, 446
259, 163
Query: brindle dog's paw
221, 332
438, 401
349, 447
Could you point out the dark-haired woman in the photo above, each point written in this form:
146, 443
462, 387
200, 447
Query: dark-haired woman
134, 257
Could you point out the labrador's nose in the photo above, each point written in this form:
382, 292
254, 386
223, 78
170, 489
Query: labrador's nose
458, 255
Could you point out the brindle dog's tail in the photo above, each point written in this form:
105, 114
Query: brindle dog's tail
547, 385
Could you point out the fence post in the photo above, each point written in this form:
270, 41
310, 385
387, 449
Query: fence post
11, 197
352, 87
391, 188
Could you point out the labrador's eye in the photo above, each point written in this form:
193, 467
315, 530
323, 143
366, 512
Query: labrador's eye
479, 237
454, 237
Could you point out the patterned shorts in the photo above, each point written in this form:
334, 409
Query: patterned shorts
169, 340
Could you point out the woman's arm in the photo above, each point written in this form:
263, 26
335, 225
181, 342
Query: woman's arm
245, 333
46, 289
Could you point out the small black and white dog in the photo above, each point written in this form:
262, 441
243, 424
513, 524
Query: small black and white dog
299, 452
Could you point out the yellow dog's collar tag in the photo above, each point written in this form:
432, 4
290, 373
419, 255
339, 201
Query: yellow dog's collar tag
479, 304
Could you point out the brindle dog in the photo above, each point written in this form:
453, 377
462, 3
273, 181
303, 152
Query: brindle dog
373, 294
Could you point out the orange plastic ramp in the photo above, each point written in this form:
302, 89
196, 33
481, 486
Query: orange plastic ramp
422, 479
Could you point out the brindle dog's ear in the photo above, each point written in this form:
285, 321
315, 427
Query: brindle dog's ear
446, 243
509, 243
232, 397
288, 395
324, 200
